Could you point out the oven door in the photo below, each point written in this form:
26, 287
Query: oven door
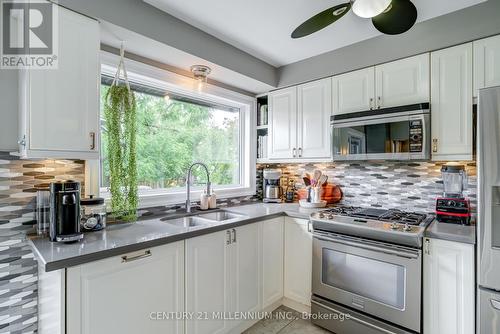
397, 137
379, 279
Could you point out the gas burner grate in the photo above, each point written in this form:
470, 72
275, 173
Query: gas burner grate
410, 218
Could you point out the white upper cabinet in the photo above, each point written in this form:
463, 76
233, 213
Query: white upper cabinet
354, 91
402, 82
59, 116
283, 123
451, 103
313, 121
118, 294
449, 289
486, 63
299, 121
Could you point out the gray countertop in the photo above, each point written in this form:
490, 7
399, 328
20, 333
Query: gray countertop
118, 239
452, 232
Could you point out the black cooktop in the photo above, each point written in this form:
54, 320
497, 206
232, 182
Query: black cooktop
391, 215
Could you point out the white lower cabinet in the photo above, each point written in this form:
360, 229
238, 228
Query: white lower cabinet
207, 281
449, 288
212, 279
222, 277
298, 261
272, 261
122, 294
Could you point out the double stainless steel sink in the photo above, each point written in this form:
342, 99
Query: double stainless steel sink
204, 219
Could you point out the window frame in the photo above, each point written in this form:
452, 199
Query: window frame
182, 85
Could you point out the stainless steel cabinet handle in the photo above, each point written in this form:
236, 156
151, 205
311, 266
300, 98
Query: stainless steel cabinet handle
22, 141
495, 304
126, 258
300, 152
234, 235
371, 103
434, 145
351, 317
92, 140
228, 237
294, 152
379, 103
427, 247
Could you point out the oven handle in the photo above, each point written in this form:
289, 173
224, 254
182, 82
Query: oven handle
366, 323
360, 244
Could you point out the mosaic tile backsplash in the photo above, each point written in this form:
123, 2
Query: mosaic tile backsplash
19, 180
411, 186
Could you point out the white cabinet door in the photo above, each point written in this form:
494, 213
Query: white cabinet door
354, 91
120, 296
402, 82
313, 121
283, 123
62, 105
245, 273
449, 288
272, 261
451, 103
207, 281
486, 63
298, 260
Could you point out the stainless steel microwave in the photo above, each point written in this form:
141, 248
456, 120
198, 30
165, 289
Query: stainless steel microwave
398, 133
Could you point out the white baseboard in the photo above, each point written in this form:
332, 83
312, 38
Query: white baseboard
294, 305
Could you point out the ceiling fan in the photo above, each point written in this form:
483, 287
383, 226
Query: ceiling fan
391, 17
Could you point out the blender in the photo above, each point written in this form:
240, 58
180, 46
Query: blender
453, 207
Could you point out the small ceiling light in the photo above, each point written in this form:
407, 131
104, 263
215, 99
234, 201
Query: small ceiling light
369, 8
200, 73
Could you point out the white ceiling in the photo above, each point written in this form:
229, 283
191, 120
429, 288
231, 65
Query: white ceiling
263, 27
180, 61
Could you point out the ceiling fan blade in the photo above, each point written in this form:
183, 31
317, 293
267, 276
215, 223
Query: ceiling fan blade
321, 20
398, 18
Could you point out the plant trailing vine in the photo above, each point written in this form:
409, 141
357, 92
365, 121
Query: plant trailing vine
120, 117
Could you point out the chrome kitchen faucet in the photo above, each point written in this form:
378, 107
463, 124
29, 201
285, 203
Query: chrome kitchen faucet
188, 184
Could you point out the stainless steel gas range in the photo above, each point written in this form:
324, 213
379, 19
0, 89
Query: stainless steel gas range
368, 263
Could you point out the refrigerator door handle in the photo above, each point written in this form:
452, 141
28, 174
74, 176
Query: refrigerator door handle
495, 304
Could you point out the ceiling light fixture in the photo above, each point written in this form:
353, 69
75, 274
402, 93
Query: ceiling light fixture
369, 8
200, 73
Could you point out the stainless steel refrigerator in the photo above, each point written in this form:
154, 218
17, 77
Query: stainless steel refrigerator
488, 225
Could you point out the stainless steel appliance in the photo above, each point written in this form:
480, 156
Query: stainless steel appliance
400, 133
65, 211
453, 207
272, 187
368, 263
488, 243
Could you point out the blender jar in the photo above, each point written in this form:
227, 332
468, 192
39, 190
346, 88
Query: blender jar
454, 180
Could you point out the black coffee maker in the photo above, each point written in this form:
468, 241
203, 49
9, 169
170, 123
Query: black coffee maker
65, 211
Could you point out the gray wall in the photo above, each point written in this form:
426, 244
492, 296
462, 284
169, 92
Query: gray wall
8, 110
139, 17
455, 28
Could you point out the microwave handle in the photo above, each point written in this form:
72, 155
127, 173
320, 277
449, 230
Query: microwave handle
362, 245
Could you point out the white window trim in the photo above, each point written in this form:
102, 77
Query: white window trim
175, 83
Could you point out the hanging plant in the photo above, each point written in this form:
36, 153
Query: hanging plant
120, 116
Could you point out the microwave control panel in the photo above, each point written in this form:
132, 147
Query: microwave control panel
416, 136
